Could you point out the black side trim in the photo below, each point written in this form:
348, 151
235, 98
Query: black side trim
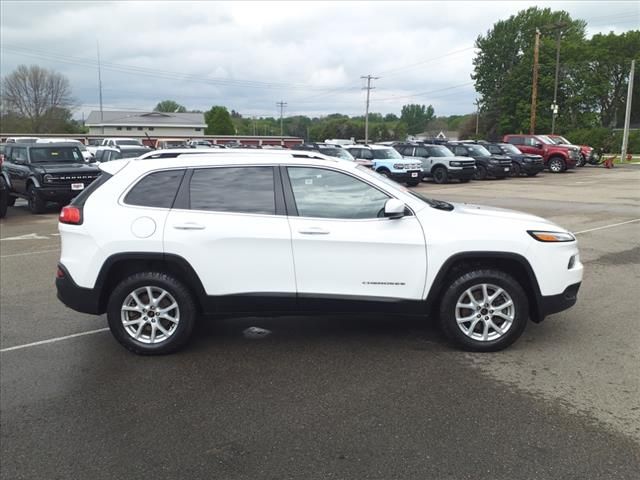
281, 208
439, 283
324, 303
84, 300
183, 196
557, 303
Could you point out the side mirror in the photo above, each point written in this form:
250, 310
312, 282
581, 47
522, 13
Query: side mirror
394, 208
538, 145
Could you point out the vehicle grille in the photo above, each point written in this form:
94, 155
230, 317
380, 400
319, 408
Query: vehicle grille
69, 179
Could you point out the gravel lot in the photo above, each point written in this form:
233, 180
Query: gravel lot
340, 397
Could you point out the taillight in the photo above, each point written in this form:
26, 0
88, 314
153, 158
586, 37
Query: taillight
71, 215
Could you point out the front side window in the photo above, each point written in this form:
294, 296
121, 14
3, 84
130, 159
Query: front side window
439, 151
478, 151
386, 154
234, 189
322, 193
460, 150
158, 189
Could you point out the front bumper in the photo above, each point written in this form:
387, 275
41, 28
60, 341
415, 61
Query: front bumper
463, 173
498, 171
550, 304
531, 167
57, 193
408, 176
84, 300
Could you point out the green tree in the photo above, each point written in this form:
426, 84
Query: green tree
416, 117
503, 65
219, 122
169, 106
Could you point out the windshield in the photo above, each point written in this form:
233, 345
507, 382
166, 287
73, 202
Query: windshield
386, 154
478, 151
127, 142
337, 152
135, 152
508, 148
56, 154
545, 139
439, 151
561, 140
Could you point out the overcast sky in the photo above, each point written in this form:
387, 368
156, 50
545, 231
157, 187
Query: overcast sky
247, 56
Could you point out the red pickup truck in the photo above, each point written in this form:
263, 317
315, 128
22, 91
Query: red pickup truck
587, 153
556, 158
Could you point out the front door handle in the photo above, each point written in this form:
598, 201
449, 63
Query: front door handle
189, 226
314, 231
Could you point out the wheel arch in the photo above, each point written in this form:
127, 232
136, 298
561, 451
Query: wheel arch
121, 265
439, 165
511, 263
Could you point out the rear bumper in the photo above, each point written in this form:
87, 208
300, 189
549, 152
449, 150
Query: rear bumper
84, 300
550, 304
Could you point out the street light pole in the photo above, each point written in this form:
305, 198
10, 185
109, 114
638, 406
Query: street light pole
627, 115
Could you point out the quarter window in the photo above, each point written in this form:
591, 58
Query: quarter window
325, 193
422, 152
234, 189
158, 189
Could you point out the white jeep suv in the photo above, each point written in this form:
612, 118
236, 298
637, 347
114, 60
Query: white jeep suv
157, 243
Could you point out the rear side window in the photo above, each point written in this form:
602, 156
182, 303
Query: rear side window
234, 189
516, 140
158, 189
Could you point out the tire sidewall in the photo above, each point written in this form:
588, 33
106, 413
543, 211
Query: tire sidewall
186, 304
439, 175
464, 281
515, 169
556, 161
481, 173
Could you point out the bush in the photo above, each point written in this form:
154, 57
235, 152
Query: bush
610, 141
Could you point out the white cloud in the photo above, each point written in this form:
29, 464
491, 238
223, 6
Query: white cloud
310, 54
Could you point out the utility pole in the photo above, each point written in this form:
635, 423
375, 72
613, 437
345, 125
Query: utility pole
554, 105
627, 115
368, 88
281, 104
254, 125
534, 88
477, 115
100, 86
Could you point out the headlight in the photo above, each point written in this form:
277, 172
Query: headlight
494, 161
398, 166
455, 164
551, 236
48, 178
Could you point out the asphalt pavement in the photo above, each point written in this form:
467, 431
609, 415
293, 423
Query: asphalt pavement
335, 397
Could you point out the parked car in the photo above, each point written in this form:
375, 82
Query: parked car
487, 165
557, 158
203, 144
438, 162
86, 154
388, 162
41, 173
4, 191
587, 153
22, 139
330, 150
107, 154
530, 165
116, 142
156, 244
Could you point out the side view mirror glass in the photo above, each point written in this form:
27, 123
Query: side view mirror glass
394, 208
538, 145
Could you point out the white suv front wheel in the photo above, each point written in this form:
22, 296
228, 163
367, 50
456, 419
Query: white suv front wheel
151, 313
484, 310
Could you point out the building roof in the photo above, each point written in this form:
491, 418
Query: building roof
151, 119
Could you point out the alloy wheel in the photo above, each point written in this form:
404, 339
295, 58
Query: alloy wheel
150, 315
485, 312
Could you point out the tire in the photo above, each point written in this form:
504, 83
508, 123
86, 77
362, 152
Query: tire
139, 337
464, 180
557, 165
440, 175
582, 161
516, 169
412, 183
481, 173
469, 334
36, 204
384, 172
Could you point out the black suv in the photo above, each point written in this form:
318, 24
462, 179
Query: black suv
527, 163
326, 149
487, 165
47, 172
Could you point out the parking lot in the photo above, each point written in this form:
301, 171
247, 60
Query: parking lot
336, 397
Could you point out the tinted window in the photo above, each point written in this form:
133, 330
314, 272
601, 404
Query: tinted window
516, 140
408, 151
234, 189
18, 153
494, 149
422, 152
327, 194
461, 150
157, 189
56, 154
366, 154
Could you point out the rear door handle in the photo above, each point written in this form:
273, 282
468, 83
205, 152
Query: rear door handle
314, 231
189, 226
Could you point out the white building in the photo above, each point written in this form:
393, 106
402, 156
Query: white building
127, 124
